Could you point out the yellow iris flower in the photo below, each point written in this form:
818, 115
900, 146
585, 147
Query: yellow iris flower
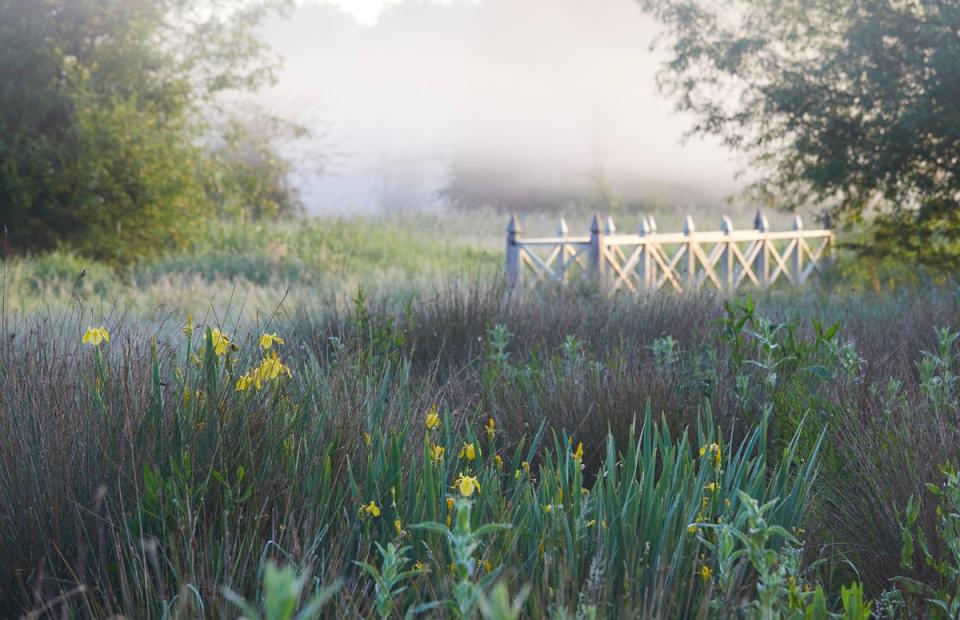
96, 336
433, 419
270, 369
268, 340
467, 485
370, 509
221, 342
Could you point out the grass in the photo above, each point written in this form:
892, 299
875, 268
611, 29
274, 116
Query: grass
612, 457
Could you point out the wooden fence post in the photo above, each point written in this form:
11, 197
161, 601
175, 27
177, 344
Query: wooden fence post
762, 262
798, 251
729, 275
598, 250
513, 252
688, 230
562, 231
645, 264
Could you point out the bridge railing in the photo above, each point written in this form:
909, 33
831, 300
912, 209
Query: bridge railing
684, 261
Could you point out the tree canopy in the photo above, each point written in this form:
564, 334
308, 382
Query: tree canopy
103, 109
849, 105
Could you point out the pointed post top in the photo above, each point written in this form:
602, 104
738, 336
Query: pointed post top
688, 226
652, 223
609, 228
513, 227
562, 228
726, 224
760, 222
797, 222
595, 224
645, 228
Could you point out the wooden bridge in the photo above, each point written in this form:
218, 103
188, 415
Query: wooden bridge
686, 261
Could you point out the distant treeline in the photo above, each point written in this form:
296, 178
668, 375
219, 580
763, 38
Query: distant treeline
523, 187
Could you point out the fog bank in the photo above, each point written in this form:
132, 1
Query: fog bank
553, 92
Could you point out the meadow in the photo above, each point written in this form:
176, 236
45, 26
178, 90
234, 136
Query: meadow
354, 418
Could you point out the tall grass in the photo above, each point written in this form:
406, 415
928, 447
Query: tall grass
136, 479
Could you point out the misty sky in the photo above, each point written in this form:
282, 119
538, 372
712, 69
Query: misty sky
404, 87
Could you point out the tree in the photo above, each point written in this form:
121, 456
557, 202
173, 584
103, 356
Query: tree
850, 105
102, 110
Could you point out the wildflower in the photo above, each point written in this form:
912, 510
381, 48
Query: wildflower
578, 453
713, 486
436, 453
268, 340
713, 448
491, 431
468, 451
467, 485
498, 461
525, 466
221, 342
368, 439
420, 567
705, 572
548, 508
591, 523
692, 529
560, 496
433, 420
188, 327
726, 502
96, 336
243, 383
397, 526
449, 504
370, 509
487, 566
270, 369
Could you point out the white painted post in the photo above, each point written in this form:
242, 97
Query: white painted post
688, 230
609, 228
645, 264
562, 231
798, 251
513, 252
598, 261
762, 262
729, 275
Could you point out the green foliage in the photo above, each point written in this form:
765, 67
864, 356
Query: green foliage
388, 577
843, 104
283, 589
464, 542
100, 123
939, 548
250, 177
